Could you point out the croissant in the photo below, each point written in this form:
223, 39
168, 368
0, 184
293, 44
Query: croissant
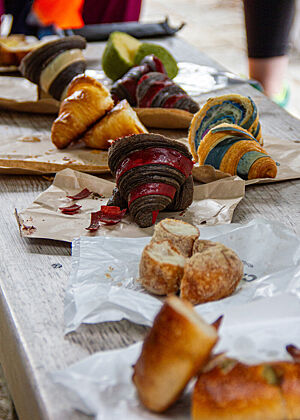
229, 390
234, 150
119, 122
231, 109
125, 88
54, 64
86, 102
156, 90
149, 170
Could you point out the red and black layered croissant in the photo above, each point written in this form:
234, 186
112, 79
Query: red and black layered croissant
153, 173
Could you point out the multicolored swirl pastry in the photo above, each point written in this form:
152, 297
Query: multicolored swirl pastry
54, 64
153, 173
231, 109
234, 150
125, 88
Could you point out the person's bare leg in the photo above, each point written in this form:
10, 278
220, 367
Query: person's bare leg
270, 72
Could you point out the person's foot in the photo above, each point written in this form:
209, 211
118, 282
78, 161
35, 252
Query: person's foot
282, 98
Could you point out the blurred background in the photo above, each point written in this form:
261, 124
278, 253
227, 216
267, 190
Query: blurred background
217, 28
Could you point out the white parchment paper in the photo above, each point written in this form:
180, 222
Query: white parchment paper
101, 385
104, 287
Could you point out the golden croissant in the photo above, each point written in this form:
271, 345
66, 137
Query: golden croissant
87, 100
234, 150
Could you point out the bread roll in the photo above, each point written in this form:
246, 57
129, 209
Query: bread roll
175, 349
235, 391
161, 268
182, 235
211, 274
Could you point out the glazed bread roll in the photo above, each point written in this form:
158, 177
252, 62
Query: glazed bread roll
161, 268
211, 274
232, 390
175, 349
181, 234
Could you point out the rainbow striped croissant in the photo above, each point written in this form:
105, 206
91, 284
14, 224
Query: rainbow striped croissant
234, 150
231, 109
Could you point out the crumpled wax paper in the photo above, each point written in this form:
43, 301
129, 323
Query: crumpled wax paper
104, 279
213, 203
253, 332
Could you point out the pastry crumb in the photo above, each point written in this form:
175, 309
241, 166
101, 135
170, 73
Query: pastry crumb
28, 139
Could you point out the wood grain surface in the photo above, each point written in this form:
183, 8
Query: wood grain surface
34, 273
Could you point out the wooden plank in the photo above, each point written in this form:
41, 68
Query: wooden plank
34, 273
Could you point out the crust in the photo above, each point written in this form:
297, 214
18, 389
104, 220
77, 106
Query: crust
211, 275
201, 245
237, 391
178, 233
119, 122
289, 374
87, 100
161, 268
175, 349
167, 118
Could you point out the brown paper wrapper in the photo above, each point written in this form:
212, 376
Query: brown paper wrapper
214, 203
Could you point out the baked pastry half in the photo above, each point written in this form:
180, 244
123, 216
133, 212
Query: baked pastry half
211, 274
175, 350
119, 122
161, 268
86, 102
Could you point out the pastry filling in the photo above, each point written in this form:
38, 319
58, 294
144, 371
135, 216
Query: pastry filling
57, 65
156, 155
215, 156
151, 188
164, 254
177, 227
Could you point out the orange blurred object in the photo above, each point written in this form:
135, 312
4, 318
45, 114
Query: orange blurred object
61, 13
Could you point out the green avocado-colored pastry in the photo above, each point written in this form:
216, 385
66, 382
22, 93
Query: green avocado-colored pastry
167, 59
119, 53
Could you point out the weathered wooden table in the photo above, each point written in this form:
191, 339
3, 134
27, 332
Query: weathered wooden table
34, 273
